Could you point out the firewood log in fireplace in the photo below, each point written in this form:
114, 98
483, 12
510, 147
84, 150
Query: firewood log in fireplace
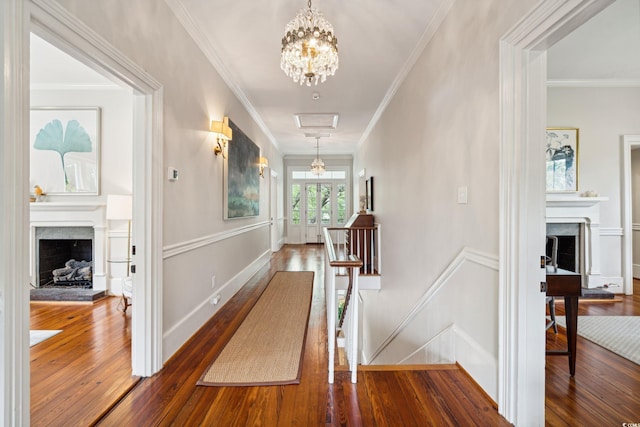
73, 272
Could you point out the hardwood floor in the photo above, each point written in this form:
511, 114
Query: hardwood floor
606, 386
604, 391
77, 375
443, 396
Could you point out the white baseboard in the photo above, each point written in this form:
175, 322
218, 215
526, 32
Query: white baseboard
417, 339
452, 345
611, 284
175, 337
478, 362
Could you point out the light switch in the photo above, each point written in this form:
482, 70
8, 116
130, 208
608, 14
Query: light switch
462, 195
172, 174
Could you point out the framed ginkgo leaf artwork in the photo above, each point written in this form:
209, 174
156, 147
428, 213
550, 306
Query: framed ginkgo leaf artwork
562, 160
65, 147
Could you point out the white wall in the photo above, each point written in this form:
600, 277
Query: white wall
603, 115
115, 154
198, 243
444, 121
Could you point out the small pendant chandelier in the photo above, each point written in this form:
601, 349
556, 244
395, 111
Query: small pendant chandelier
317, 166
309, 48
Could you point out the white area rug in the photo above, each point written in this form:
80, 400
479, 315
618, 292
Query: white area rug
37, 336
619, 334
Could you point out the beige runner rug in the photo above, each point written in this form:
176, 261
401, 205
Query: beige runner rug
268, 346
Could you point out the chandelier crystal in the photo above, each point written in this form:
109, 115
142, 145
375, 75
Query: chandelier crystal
309, 48
317, 166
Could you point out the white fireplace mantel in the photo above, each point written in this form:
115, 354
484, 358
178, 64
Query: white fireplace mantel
556, 200
586, 211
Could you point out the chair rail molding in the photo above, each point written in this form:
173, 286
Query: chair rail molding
191, 245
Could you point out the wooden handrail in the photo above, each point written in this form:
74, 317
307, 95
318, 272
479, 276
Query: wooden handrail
375, 227
352, 261
361, 241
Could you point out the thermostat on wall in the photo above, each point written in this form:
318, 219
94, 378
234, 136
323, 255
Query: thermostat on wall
172, 174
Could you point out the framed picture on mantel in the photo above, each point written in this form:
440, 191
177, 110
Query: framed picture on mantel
562, 160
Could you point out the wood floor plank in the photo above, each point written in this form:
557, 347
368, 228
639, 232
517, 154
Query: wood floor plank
77, 375
605, 388
380, 397
604, 391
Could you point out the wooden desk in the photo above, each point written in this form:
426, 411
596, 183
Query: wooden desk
567, 284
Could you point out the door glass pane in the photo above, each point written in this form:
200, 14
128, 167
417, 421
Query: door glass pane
295, 204
341, 203
325, 208
311, 204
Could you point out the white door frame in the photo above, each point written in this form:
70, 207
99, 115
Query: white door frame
68, 31
14, 215
521, 358
629, 142
274, 222
18, 17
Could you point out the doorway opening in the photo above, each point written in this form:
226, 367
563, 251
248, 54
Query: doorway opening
631, 233
523, 75
68, 34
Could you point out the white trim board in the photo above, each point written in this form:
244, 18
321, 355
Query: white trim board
594, 83
14, 216
464, 256
523, 87
191, 245
426, 37
198, 36
629, 142
611, 231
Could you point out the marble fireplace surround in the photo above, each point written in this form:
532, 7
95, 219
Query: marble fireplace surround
585, 211
72, 214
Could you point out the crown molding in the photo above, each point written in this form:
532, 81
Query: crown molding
199, 37
428, 34
72, 86
593, 83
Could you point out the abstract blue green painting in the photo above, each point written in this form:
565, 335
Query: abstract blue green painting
242, 177
64, 150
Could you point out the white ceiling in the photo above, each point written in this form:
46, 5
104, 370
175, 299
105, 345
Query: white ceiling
378, 43
605, 50
53, 69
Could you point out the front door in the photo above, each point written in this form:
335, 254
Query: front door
319, 215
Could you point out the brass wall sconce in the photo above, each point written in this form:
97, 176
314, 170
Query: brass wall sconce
263, 163
223, 134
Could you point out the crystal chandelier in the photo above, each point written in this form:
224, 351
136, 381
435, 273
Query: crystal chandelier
317, 166
309, 48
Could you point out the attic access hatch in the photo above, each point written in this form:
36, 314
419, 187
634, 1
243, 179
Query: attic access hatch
318, 121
